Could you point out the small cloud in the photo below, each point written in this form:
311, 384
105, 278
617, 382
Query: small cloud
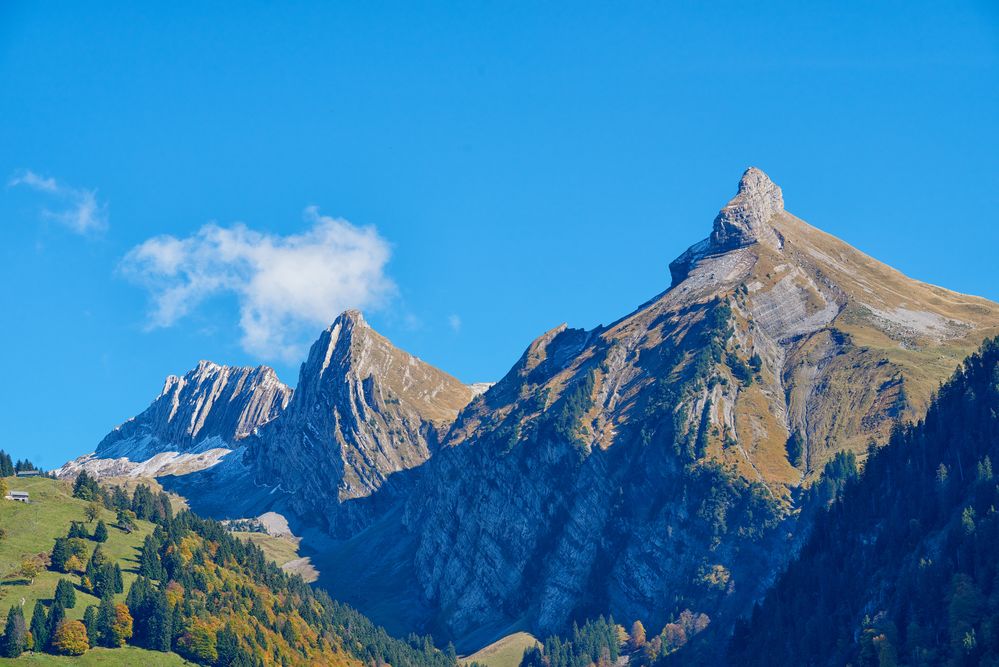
286, 286
454, 322
78, 208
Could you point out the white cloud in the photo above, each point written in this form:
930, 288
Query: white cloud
78, 209
287, 287
454, 322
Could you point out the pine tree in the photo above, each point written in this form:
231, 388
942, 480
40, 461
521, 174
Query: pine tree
86, 487
117, 581
65, 594
15, 634
160, 623
177, 626
57, 614
227, 645
39, 626
101, 532
90, 622
6, 464
60, 554
105, 622
149, 559
77, 529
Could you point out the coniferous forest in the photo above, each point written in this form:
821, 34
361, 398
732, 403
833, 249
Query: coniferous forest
902, 569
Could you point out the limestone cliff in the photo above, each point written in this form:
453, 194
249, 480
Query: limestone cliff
362, 410
196, 420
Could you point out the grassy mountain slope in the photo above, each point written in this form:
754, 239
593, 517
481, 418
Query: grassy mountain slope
507, 652
128, 656
31, 530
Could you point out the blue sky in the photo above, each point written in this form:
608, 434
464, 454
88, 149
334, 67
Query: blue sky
502, 168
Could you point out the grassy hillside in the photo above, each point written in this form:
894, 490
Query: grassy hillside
507, 652
283, 550
200, 593
128, 656
31, 530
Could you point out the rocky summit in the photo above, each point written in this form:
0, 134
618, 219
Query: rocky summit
363, 410
195, 421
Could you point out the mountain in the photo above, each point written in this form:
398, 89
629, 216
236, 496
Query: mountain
652, 465
363, 410
902, 568
649, 467
195, 421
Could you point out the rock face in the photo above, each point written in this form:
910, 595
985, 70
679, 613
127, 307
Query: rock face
362, 411
237, 442
642, 468
196, 419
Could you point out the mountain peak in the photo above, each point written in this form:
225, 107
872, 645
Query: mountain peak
351, 315
745, 218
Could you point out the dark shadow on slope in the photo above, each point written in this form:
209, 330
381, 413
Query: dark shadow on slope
372, 569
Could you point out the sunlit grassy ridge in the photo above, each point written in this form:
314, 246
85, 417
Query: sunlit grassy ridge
506, 652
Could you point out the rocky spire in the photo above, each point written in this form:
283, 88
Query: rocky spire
745, 218
743, 221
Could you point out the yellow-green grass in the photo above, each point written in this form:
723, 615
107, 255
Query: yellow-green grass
31, 530
127, 656
283, 550
507, 652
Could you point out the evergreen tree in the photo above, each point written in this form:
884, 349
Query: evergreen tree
65, 594
160, 623
39, 627
149, 559
90, 622
105, 622
117, 582
85, 487
795, 448
57, 614
15, 634
119, 499
101, 532
77, 529
60, 554
6, 464
230, 652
